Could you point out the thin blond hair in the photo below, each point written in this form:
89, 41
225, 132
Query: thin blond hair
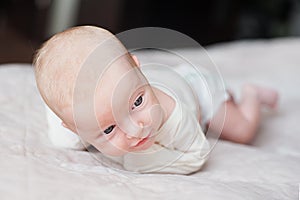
58, 62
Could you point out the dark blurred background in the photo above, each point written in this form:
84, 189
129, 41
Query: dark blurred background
25, 24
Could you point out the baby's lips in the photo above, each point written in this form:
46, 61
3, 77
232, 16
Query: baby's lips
139, 142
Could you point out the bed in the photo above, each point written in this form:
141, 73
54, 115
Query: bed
32, 168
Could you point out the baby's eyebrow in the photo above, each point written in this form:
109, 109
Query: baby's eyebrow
103, 112
106, 121
104, 125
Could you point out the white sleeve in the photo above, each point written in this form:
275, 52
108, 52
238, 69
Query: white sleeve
61, 136
163, 160
183, 149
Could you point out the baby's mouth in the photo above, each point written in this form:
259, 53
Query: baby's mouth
142, 141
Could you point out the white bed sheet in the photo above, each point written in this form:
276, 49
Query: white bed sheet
31, 168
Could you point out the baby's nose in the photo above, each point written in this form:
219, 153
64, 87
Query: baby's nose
138, 133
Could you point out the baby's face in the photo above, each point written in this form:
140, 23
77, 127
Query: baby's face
127, 111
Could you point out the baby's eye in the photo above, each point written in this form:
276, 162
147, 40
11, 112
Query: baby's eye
138, 102
109, 129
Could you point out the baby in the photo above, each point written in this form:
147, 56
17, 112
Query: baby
136, 115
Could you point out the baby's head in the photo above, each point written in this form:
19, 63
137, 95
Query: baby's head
88, 64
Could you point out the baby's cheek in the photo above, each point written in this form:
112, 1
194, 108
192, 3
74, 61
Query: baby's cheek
155, 116
114, 147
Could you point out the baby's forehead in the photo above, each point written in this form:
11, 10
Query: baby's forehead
114, 74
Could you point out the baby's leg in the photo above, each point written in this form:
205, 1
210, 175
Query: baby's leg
242, 119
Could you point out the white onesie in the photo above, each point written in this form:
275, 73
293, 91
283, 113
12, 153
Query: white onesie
181, 146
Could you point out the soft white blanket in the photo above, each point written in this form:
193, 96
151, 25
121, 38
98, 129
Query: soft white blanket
31, 168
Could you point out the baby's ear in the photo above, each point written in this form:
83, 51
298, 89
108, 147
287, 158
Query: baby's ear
64, 125
67, 127
135, 60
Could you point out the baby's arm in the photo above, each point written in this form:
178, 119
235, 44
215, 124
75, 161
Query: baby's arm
242, 119
61, 136
159, 159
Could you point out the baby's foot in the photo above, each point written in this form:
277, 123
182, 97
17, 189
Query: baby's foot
267, 96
